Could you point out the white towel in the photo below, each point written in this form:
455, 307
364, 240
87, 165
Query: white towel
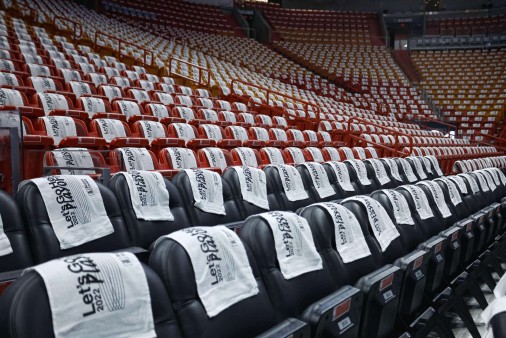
426, 163
239, 133
497, 306
275, 155
348, 153
435, 164
74, 157
297, 155
92, 105
98, 295
472, 182
149, 196
316, 154
137, 159
159, 110
5, 244
212, 131
261, 133
420, 199
75, 209
320, 179
460, 183
182, 158
152, 130
501, 176
215, 157
437, 194
361, 171
280, 134
489, 179
247, 156
350, 240
59, 127
382, 226
222, 271
400, 207
295, 248
494, 174
184, 131
253, 186
333, 154
418, 167
342, 175
394, 169
379, 170
361, 153
453, 191
51, 101
482, 181
291, 182
408, 170
111, 129
207, 189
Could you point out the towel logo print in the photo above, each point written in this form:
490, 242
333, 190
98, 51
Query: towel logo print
201, 183
220, 264
99, 282
70, 196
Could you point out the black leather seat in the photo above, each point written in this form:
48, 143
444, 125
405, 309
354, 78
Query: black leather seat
413, 263
367, 184
418, 167
309, 185
332, 173
247, 318
392, 169
14, 229
312, 296
245, 208
378, 173
378, 318
143, 233
41, 236
201, 218
406, 171
276, 193
19, 320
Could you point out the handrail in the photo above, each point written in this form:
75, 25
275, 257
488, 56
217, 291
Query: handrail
427, 119
396, 133
74, 23
270, 91
501, 142
201, 69
124, 42
379, 145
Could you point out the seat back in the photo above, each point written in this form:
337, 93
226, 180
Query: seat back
144, 232
28, 292
42, 238
197, 216
289, 195
14, 229
246, 318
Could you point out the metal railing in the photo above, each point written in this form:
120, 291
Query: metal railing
200, 81
122, 43
77, 26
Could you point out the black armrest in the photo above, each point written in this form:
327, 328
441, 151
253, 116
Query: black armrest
415, 266
290, 327
337, 315
236, 226
382, 289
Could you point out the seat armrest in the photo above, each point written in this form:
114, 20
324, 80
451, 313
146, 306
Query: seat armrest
338, 312
290, 327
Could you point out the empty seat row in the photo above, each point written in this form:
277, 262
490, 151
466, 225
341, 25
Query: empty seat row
394, 234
